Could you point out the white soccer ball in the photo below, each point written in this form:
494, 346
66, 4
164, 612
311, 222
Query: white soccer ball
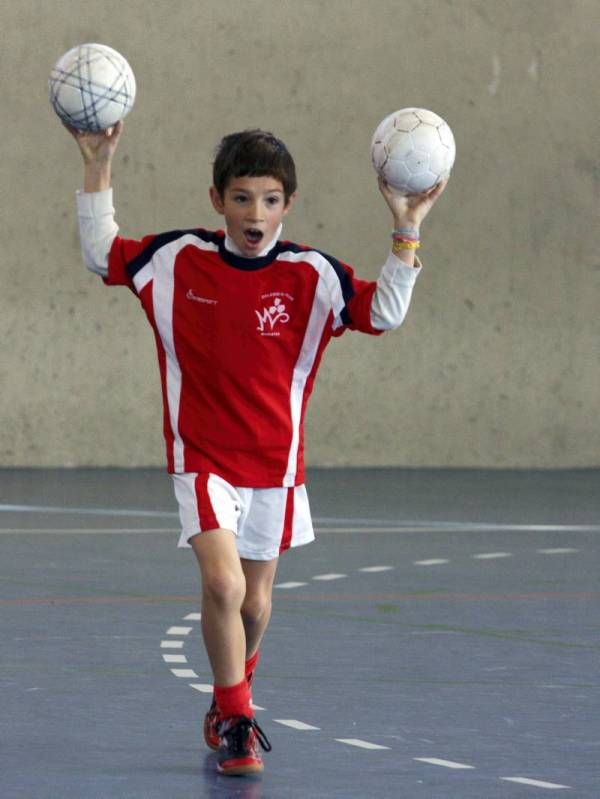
413, 149
92, 87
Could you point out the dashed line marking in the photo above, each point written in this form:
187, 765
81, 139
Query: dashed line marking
551, 786
185, 674
204, 688
360, 744
296, 725
376, 569
355, 742
436, 761
291, 584
492, 555
179, 630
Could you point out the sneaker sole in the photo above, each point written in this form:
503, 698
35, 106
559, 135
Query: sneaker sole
238, 771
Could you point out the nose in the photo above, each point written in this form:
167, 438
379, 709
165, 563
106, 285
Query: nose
255, 211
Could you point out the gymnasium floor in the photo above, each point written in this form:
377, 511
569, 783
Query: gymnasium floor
439, 640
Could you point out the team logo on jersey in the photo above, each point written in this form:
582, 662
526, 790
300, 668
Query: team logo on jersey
273, 314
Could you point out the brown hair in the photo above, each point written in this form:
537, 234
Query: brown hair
253, 153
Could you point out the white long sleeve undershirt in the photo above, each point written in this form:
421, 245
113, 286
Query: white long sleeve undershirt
97, 231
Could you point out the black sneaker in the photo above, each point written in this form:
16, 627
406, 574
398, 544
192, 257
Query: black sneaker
238, 747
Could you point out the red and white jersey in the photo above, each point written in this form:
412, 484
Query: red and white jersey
239, 343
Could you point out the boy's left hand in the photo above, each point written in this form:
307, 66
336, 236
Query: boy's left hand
411, 210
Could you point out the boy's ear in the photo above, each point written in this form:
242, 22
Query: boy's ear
216, 200
290, 202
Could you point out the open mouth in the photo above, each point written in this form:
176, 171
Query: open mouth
253, 236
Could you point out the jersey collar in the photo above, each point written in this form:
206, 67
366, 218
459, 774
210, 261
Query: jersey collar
232, 255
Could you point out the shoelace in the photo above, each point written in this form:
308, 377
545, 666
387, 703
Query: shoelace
241, 728
260, 736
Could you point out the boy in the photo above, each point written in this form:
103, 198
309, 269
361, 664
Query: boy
241, 319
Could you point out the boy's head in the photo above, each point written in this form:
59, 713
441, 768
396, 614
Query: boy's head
253, 153
254, 188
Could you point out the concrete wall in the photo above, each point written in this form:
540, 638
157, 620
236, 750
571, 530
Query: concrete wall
498, 362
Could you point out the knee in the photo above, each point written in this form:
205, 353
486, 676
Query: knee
256, 608
224, 588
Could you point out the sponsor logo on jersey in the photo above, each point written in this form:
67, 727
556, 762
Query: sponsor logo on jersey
196, 298
274, 313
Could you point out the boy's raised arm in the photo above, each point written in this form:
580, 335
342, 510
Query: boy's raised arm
392, 296
97, 226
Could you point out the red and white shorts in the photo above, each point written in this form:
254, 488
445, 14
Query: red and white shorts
266, 521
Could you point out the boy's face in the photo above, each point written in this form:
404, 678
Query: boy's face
253, 208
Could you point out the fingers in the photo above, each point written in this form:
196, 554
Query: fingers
383, 185
112, 133
438, 189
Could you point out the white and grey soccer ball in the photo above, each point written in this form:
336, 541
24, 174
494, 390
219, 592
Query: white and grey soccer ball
92, 87
413, 149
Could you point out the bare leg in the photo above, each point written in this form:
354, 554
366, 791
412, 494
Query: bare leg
223, 591
256, 607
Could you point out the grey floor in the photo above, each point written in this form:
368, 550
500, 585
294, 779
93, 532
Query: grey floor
441, 639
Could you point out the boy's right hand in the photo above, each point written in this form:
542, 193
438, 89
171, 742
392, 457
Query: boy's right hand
97, 150
98, 147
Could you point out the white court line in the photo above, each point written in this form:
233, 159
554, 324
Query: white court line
431, 562
557, 551
87, 511
327, 577
179, 630
175, 659
289, 585
333, 523
360, 744
171, 644
460, 527
204, 688
433, 527
323, 524
492, 555
536, 783
296, 725
376, 569
193, 617
187, 674
87, 530
435, 761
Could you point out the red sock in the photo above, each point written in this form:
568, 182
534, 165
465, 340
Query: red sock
251, 664
234, 700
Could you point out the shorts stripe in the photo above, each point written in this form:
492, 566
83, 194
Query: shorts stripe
206, 513
288, 523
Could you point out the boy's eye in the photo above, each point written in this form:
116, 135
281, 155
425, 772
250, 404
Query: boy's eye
239, 198
273, 200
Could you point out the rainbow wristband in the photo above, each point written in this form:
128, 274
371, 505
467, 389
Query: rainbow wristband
406, 233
